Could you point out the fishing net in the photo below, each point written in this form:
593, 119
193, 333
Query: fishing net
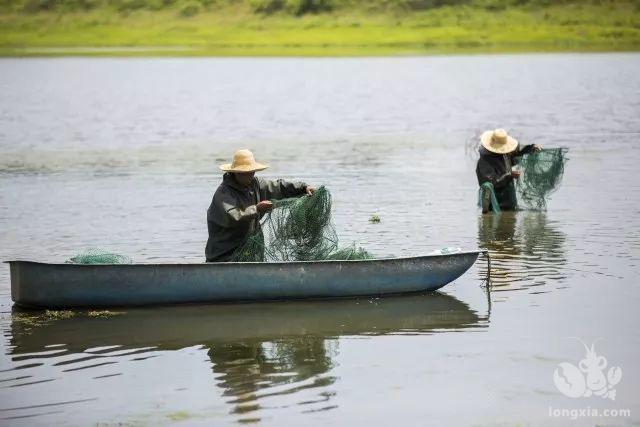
486, 190
298, 229
542, 173
98, 256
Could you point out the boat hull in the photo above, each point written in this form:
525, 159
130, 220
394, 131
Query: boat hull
71, 285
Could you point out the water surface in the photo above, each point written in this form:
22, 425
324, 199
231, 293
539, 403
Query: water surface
122, 154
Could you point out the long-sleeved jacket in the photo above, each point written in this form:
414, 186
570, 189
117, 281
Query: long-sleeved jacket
232, 216
496, 169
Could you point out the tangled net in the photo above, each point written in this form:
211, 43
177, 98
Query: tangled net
298, 229
98, 256
542, 173
487, 187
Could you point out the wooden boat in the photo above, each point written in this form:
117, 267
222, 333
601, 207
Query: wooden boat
73, 285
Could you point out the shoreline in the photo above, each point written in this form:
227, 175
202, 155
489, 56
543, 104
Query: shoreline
190, 52
236, 31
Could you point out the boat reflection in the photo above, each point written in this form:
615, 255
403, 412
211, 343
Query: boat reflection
526, 249
257, 350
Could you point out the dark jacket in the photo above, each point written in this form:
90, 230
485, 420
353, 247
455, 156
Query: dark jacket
232, 216
496, 169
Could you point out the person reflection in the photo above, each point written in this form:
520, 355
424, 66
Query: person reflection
248, 370
496, 233
526, 249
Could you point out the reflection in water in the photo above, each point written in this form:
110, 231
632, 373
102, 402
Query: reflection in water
257, 351
250, 370
526, 249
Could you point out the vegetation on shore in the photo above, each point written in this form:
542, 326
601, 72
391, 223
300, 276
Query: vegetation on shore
314, 27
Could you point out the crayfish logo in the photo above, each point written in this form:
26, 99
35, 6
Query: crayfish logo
588, 378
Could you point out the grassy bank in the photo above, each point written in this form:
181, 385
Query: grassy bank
237, 28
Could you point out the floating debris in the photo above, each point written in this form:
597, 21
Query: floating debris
39, 318
104, 313
59, 314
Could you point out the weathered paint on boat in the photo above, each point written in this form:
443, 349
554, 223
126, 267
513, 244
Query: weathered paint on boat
72, 285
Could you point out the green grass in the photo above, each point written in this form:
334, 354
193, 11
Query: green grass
234, 29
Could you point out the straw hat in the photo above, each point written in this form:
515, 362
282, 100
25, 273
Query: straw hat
243, 161
498, 141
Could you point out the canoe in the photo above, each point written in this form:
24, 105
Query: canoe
110, 285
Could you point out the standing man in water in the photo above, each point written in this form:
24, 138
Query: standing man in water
498, 152
239, 203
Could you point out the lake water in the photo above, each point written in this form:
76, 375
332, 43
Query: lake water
122, 154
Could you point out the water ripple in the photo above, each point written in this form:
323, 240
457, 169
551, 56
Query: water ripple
526, 250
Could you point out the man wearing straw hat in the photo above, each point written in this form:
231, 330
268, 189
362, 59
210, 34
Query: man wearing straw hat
495, 172
239, 203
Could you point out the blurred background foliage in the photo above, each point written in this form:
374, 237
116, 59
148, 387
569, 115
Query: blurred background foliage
287, 7
316, 27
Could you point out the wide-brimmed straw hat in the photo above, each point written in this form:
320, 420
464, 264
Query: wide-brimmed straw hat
243, 161
498, 141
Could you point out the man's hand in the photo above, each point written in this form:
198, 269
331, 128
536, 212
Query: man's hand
309, 190
537, 147
515, 174
264, 206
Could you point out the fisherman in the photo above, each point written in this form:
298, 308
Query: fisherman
495, 169
240, 202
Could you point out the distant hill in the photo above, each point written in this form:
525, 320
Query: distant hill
315, 27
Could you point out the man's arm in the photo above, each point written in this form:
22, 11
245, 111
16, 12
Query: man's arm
237, 215
226, 211
531, 148
281, 189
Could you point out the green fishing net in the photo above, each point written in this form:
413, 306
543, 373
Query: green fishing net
98, 256
298, 229
487, 190
542, 173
